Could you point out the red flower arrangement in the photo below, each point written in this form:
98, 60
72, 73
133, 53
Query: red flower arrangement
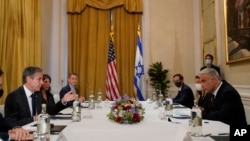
126, 111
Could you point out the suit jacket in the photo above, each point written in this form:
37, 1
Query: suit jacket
185, 96
4, 128
64, 90
212, 66
226, 107
4, 136
17, 109
202, 100
52, 107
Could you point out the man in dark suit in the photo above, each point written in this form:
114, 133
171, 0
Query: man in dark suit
6, 130
225, 103
209, 63
71, 87
185, 94
24, 104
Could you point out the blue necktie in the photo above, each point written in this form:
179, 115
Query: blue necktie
33, 97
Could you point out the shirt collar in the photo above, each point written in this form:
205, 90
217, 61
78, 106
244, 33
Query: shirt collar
27, 91
71, 86
216, 91
179, 89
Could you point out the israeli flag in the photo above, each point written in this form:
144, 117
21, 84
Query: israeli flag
139, 71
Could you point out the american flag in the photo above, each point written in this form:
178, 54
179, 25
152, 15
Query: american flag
112, 86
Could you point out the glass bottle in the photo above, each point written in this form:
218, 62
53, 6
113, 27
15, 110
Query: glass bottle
160, 99
154, 95
76, 115
99, 99
43, 125
91, 100
196, 120
169, 107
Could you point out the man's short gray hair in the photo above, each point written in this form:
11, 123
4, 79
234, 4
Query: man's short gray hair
211, 72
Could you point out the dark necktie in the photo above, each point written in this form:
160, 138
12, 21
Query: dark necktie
179, 93
212, 100
33, 97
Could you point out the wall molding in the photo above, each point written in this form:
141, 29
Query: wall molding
244, 91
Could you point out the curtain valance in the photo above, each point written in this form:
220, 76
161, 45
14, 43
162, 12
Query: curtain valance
77, 6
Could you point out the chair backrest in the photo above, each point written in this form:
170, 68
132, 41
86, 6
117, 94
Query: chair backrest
247, 112
2, 109
56, 97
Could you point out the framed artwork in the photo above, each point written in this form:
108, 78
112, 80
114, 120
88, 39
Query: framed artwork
237, 19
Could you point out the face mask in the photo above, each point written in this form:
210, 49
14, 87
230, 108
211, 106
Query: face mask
178, 84
208, 62
1, 93
198, 87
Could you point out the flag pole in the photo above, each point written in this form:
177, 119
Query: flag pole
112, 33
139, 30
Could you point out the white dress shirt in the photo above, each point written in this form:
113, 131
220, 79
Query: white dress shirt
28, 95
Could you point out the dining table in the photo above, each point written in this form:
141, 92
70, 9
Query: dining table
96, 126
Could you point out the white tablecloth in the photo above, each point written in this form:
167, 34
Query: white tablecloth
95, 126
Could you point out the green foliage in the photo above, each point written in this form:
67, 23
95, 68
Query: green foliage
158, 77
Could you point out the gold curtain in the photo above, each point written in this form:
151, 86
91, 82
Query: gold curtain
89, 28
20, 40
125, 27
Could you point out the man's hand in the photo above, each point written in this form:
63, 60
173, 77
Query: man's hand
81, 99
35, 118
19, 134
69, 96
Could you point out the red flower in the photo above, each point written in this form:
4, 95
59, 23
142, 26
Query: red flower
136, 117
115, 107
118, 119
127, 107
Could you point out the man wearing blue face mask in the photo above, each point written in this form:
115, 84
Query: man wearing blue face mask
209, 63
185, 94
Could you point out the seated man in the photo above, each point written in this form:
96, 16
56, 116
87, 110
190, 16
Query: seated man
23, 105
185, 94
6, 130
71, 88
224, 103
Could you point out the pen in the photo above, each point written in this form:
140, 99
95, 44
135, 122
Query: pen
221, 134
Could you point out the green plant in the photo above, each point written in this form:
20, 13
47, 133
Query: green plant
158, 78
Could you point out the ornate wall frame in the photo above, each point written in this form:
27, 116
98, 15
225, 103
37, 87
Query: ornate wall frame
237, 30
